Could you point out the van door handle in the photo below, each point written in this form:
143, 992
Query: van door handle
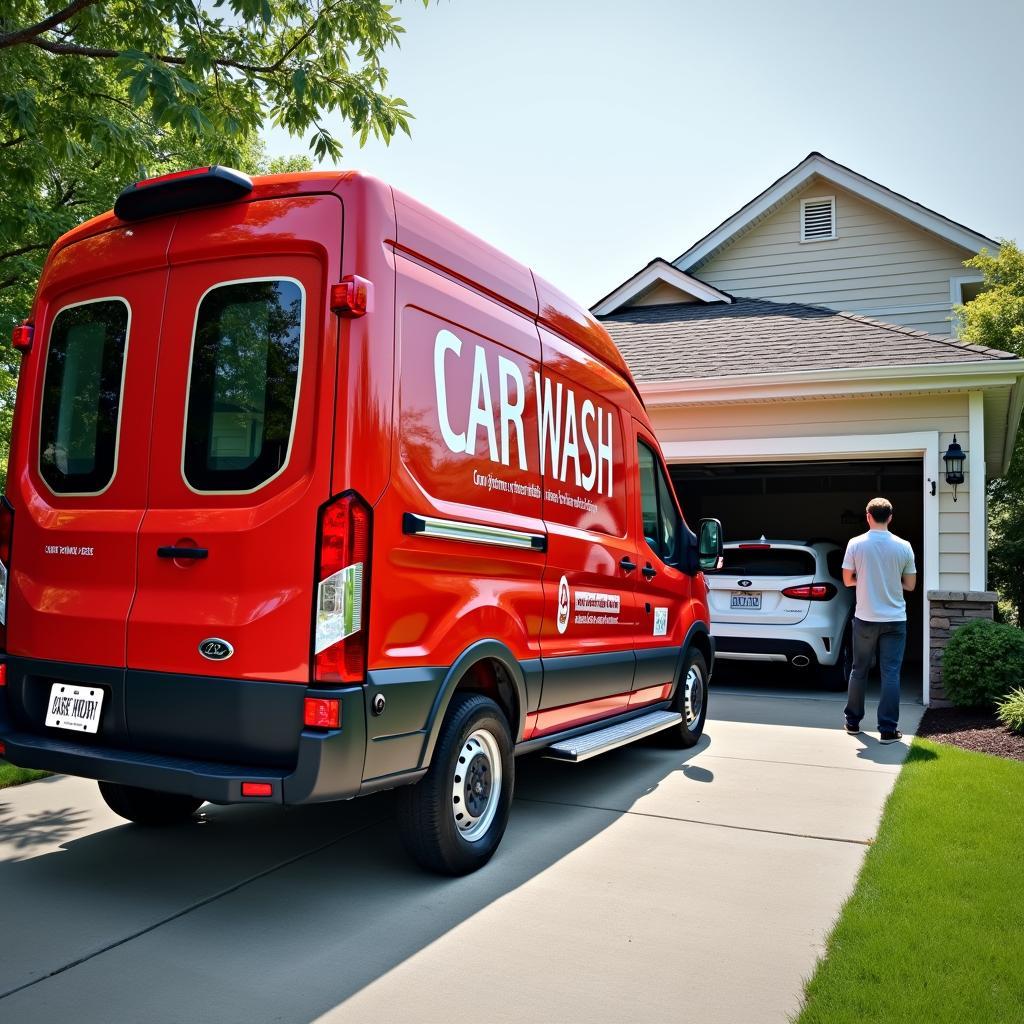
627, 564
173, 552
649, 571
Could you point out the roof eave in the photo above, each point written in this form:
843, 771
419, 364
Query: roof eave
816, 163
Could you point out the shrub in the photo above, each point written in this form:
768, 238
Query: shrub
982, 662
1010, 710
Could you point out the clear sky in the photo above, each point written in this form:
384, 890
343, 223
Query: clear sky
586, 137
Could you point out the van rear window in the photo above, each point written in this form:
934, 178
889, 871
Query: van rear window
243, 384
82, 396
770, 562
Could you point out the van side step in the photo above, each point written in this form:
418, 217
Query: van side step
590, 744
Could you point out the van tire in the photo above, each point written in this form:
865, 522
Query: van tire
474, 729
685, 735
147, 806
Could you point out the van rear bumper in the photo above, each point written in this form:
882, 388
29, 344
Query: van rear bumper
327, 764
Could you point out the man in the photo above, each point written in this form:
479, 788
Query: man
881, 567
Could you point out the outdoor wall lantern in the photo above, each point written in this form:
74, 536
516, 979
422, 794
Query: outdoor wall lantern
954, 460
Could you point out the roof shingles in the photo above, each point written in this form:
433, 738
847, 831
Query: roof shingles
751, 336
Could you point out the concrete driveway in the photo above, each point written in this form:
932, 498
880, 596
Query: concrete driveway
646, 885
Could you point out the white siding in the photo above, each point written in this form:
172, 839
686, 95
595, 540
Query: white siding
879, 264
841, 417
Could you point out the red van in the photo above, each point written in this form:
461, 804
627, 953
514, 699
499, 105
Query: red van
313, 493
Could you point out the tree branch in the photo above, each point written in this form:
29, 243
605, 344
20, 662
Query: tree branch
11, 253
27, 34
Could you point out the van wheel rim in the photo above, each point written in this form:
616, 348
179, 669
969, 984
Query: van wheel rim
694, 696
476, 786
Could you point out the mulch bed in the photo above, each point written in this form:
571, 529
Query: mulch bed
973, 729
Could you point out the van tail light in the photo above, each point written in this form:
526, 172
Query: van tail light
812, 592
341, 612
6, 535
21, 336
352, 297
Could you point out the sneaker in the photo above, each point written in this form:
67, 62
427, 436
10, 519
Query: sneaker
852, 730
890, 737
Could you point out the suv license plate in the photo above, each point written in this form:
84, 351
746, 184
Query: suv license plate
74, 707
741, 599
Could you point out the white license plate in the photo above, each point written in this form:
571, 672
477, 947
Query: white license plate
73, 706
741, 599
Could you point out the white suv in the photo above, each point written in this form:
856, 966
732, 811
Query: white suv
784, 601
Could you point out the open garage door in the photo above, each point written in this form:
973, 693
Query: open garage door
803, 501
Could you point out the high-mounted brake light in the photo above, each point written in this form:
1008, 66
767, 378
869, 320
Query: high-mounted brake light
353, 297
811, 592
181, 190
21, 336
755, 547
6, 535
340, 613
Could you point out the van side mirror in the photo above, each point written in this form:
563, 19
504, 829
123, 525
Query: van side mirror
709, 545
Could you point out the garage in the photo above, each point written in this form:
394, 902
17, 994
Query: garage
808, 500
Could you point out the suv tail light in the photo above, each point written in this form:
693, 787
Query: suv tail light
812, 592
340, 615
6, 533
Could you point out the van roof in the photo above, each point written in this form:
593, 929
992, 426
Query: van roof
442, 242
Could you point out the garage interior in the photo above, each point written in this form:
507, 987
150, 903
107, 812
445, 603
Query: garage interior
805, 500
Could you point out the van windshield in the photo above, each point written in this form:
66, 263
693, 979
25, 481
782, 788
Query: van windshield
243, 381
82, 396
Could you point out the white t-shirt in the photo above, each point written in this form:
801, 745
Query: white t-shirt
881, 560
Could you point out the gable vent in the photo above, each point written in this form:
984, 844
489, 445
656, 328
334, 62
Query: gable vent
817, 219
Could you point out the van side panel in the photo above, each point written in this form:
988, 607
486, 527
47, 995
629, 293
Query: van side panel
253, 587
590, 613
73, 574
465, 484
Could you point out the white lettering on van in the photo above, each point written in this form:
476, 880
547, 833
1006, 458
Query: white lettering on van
512, 412
446, 342
481, 414
563, 435
74, 550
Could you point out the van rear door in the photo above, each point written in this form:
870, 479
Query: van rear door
81, 446
241, 444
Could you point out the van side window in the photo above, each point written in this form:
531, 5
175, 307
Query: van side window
82, 396
661, 521
243, 384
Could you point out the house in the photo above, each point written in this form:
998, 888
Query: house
802, 357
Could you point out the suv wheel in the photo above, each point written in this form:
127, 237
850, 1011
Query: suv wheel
837, 677
452, 820
691, 701
147, 806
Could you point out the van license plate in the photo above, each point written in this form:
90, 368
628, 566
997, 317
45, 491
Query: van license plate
74, 707
741, 599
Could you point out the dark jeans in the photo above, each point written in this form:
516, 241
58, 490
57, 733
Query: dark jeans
889, 639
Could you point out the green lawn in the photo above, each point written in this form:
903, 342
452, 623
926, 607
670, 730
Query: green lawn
12, 776
934, 931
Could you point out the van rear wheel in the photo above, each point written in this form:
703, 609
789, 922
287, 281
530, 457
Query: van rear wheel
691, 701
452, 820
147, 806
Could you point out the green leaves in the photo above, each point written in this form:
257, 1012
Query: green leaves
89, 98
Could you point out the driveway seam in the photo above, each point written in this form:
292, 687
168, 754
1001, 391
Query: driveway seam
699, 821
805, 764
188, 910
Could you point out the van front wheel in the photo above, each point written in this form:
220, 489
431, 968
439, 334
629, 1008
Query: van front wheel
452, 820
147, 806
691, 701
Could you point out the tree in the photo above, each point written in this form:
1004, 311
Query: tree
996, 318
95, 94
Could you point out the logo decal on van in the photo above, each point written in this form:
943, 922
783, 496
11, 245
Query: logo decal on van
215, 649
563, 605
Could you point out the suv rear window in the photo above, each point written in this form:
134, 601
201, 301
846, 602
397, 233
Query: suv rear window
243, 384
769, 562
82, 396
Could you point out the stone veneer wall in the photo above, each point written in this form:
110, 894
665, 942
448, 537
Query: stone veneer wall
949, 609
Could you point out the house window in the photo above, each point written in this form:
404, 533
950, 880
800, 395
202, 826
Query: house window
818, 219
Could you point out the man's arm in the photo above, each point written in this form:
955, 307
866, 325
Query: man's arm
850, 577
909, 580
